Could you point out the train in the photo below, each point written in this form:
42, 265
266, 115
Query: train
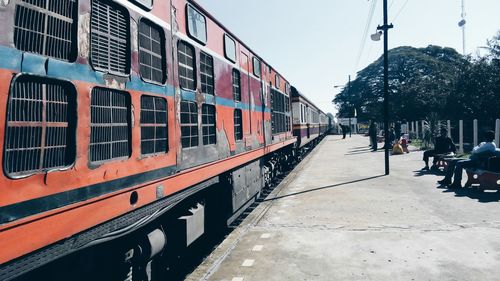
131, 128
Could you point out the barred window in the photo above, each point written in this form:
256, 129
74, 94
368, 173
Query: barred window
197, 24
238, 124
229, 48
208, 124
109, 38
151, 52
154, 129
207, 74
47, 27
41, 126
110, 130
256, 67
236, 85
189, 124
278, 112
187, 73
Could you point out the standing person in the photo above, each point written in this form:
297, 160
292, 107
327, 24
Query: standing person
442, 145
404, 143
344, 131
479, 153
372, 132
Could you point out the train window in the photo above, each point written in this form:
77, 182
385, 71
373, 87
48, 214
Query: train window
187, 73
41, 126
236, 85
208, 124
189, 124
256, 67
47, 28
278, 108
148, 4
238, 124
229, 48
110, 126
154, 130
151, 52
207, 73
109, 38
197, 24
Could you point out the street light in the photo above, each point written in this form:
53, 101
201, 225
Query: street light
385, 30
347, 103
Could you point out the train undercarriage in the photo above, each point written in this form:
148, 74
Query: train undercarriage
153, 246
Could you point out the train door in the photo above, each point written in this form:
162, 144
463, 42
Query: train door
308, 123
245, 63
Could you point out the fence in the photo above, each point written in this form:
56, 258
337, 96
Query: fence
466, 136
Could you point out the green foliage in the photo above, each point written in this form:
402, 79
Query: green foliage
428, 82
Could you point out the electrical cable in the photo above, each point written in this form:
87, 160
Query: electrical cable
365, 33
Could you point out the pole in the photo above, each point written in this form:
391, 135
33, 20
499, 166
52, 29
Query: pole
463, 27
349, 92
385, 28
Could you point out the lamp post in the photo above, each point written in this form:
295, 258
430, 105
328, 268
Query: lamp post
385, 29
347, 103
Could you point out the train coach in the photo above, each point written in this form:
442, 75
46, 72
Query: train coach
310, 124
127, 127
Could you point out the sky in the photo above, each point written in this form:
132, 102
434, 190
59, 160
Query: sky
317, 44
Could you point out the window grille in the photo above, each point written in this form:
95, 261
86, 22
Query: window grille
279, 110
154, 129
110, 130
208, 124
236, 85
238, 125
229, 48
189, 124
197, 24
151, 52
109, 38
207, 74
41, 126
187, 73
47, 27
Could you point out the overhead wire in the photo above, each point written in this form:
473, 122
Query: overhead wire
400, 10
365, 32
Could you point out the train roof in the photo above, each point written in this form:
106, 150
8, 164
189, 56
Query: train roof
209, 15
297, 93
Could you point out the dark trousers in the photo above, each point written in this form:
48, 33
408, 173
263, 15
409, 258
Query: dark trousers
374, 142
430, 153
455, 169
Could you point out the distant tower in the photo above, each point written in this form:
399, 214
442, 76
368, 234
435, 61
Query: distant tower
461, 24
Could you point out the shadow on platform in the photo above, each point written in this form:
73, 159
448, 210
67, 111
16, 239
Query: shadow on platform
482, 196
323, 187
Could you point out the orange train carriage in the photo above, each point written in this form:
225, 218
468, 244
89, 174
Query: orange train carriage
118, 112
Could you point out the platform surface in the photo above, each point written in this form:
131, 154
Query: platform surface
336, 217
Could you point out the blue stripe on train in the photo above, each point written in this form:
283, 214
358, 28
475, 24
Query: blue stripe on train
13, 59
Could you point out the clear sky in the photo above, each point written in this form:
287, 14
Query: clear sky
315, 44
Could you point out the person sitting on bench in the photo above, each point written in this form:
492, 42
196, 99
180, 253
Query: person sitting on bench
442, 145
480, 152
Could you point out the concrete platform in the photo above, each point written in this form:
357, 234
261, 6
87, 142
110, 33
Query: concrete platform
336, 217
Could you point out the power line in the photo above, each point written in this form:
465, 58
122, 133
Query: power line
365, 33
400, 10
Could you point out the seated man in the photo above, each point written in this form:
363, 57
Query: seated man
480, 152
442, 145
